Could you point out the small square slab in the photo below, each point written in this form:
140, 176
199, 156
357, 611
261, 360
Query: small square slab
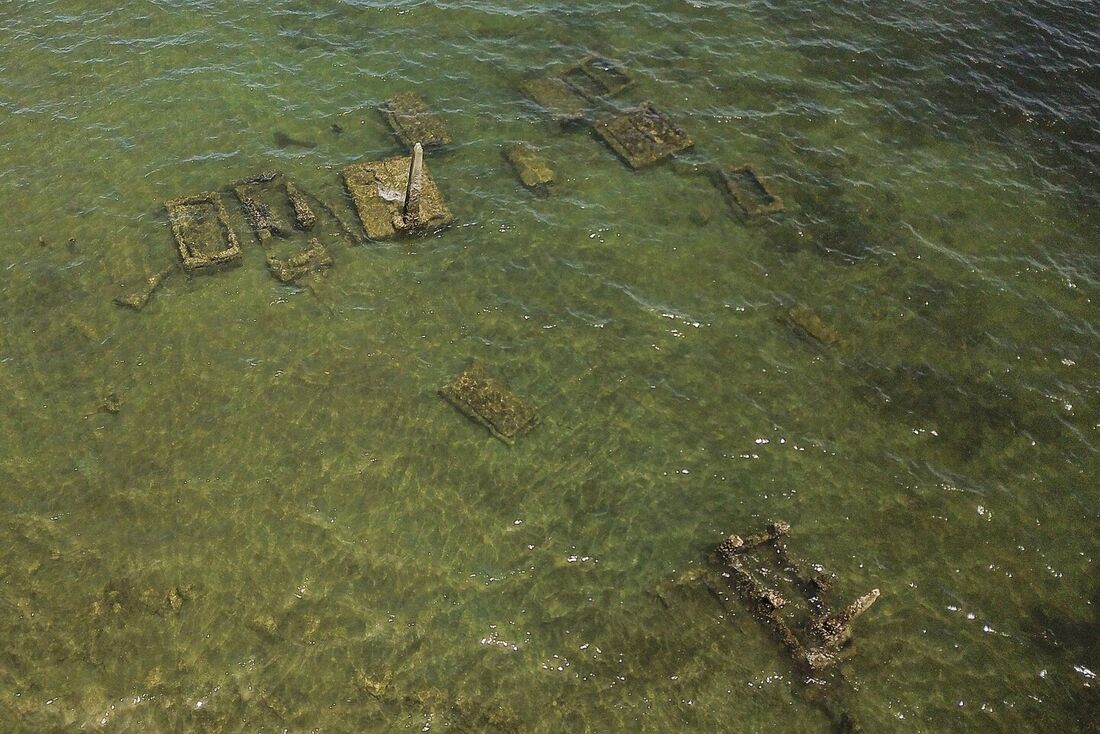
531, 167
378, 190
413, 122
594, 77
643, 136
749, 192
557, 97
486, 400
204, 238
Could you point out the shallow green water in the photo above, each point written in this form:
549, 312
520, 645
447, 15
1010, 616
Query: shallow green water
285, 528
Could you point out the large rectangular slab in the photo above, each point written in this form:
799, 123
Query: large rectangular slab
378, 190
533, 169
204, 238
643, 136
413, 122
486, 400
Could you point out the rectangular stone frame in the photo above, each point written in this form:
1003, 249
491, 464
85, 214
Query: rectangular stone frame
486, 400
595, 77
643, 136
198, 249
749, 192
265, 222
377, 189
413, 122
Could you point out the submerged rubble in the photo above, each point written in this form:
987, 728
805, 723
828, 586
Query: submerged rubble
486, 400
791, 601
203, 235
311, 260
533, 169
643, 136
381, 189
273, 204
748, 192
413, 122
139, 298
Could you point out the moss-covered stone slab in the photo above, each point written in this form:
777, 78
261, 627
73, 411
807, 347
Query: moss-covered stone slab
378, 190
313, 259
595, 77
486, 400
274, 205
790, 597
204, 238
413, 122
643, 136
533, 169
749, 192
556, 97
808, 323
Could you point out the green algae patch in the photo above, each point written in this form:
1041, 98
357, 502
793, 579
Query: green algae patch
534, 171
484, 399
204, 238
412, 121
643, 136
378, 190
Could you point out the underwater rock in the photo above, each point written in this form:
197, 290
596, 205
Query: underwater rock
413, 122
761, 569
311, 260
643, 136
532, 168
204, 238
112, 403
748, 192
138, 299
485, 400
808, 323
379, 188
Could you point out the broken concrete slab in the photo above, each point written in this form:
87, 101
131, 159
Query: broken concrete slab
790, 600
557, 98
138, 299
643, 136
413, 122
204, 237
533, 169
273, 204
486, 400
311, 260
378, 190
595, 77
748, 191
808, 323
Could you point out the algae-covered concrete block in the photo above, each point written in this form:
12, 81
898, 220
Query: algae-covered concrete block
485, 400
532, 168
594, 77
413, 122
643, 136
749, 192
274, 204
204, 238
806, 320
310, 260
378, 189
557, 97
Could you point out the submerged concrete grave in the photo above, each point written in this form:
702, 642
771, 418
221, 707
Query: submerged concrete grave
791, 601
568, 94
556, 97
748, 191
413, 122
533, 169
392, 198
488, 401
643, 136
204, 238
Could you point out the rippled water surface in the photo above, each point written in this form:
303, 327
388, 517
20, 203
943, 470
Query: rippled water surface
246, 508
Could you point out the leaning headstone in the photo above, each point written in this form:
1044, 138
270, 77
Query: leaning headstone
533, 169
413, 122
748, 192
486, 400
204, 238
379, 191
643, 136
